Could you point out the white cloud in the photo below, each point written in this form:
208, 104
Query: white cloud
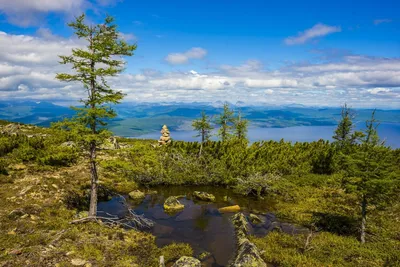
31, 12
183, 58
380, 21
25, 13
128, 36
378, 90
317, 30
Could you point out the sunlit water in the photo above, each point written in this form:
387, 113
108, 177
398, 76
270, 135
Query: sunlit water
200, 223
390, 132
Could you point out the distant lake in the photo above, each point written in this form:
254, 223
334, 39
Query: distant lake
387, 131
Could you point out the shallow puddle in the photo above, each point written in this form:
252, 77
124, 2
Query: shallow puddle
200, 223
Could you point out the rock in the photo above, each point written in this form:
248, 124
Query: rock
235, 208
33, 217
152, 192
204, 255
18, 167
187, 262
247, 253
78, 262
172, 204
165, 136
204, 196
24, 216
69, 253
54, 186
137, 195
255, 219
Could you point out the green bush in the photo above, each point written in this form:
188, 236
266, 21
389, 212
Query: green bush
59, 156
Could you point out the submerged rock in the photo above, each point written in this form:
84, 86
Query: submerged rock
255, 219
187, 262
204, 196
204, 255
235, 208
172, 204
136, 195
247, 254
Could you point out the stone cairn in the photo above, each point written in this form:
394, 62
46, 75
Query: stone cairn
165, 136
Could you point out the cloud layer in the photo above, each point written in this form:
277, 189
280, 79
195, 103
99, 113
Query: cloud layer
28, 65
318, 30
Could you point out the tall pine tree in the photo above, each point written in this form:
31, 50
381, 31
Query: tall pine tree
101, 58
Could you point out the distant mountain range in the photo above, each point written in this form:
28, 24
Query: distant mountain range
135, 119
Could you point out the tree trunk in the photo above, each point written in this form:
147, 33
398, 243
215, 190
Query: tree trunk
93, 167
94, 180
363, 219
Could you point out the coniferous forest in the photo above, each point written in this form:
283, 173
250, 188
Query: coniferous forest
339, 200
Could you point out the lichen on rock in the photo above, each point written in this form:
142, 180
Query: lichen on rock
172, 204
137, 195
186, 261
204, 196
247, 254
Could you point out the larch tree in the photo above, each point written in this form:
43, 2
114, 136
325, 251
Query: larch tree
344, 133
203, 127
240, 127
91, 66
225, 120
369, 173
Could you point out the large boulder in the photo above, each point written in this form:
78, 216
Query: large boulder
172, 204
204, 196
186, 261
137, 195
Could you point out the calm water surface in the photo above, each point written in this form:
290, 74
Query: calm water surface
200, 223
387, 131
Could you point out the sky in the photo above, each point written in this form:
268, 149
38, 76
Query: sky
315, 53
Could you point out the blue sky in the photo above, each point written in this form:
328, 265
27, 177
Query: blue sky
308, 52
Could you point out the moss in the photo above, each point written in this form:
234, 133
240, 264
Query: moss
174, 251
325, 249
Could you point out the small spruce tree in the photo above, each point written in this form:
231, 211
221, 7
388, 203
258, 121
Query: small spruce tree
101, 58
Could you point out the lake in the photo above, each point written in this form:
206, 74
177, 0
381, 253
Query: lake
201, 224
390, 132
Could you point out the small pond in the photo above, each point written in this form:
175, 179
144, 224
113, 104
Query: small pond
200, 223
